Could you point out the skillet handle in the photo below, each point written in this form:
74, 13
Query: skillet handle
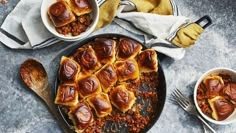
206, 20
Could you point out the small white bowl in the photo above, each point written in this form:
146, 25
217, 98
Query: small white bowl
51, 28
216, 71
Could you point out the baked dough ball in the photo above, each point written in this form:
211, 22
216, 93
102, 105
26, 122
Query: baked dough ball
147, 61
122, 98
127, 49
221, 108
80, 7
81, 116
214, 85
230, 91
87, 59
88, 85
101, 104
60, 14
105, 50
69, 71
127, 70
67, 95
107, 77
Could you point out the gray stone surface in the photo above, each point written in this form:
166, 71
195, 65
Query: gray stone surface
23, 112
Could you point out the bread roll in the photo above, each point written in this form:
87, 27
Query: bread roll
88, 85
80, 7
122, 98
147, 61
107, 77
68, 71
87, 59
81, 116
221, 108
60, 14
67, 95
127, 70
105, 50
101, 104
127, 49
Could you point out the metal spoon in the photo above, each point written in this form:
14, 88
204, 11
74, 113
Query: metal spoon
35, 77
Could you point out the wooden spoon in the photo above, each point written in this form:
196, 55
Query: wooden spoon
35, 77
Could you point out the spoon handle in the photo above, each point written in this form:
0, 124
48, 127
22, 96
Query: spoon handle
47, 96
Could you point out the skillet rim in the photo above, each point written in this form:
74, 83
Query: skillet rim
161, 88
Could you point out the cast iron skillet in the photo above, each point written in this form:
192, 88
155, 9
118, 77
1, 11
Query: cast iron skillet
162, 82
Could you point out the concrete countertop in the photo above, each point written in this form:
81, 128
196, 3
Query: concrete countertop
23, 112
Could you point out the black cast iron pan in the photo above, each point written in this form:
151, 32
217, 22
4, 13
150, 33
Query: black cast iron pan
161, 89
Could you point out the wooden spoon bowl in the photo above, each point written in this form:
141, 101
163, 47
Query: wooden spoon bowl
35, 77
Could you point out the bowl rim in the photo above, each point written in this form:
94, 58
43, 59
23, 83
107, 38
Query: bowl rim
195, 95
89, 30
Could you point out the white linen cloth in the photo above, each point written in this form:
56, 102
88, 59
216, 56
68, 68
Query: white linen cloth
156, 29
24, 29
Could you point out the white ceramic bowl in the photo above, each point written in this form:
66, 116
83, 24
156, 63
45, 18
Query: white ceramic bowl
216, 71
48, 24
